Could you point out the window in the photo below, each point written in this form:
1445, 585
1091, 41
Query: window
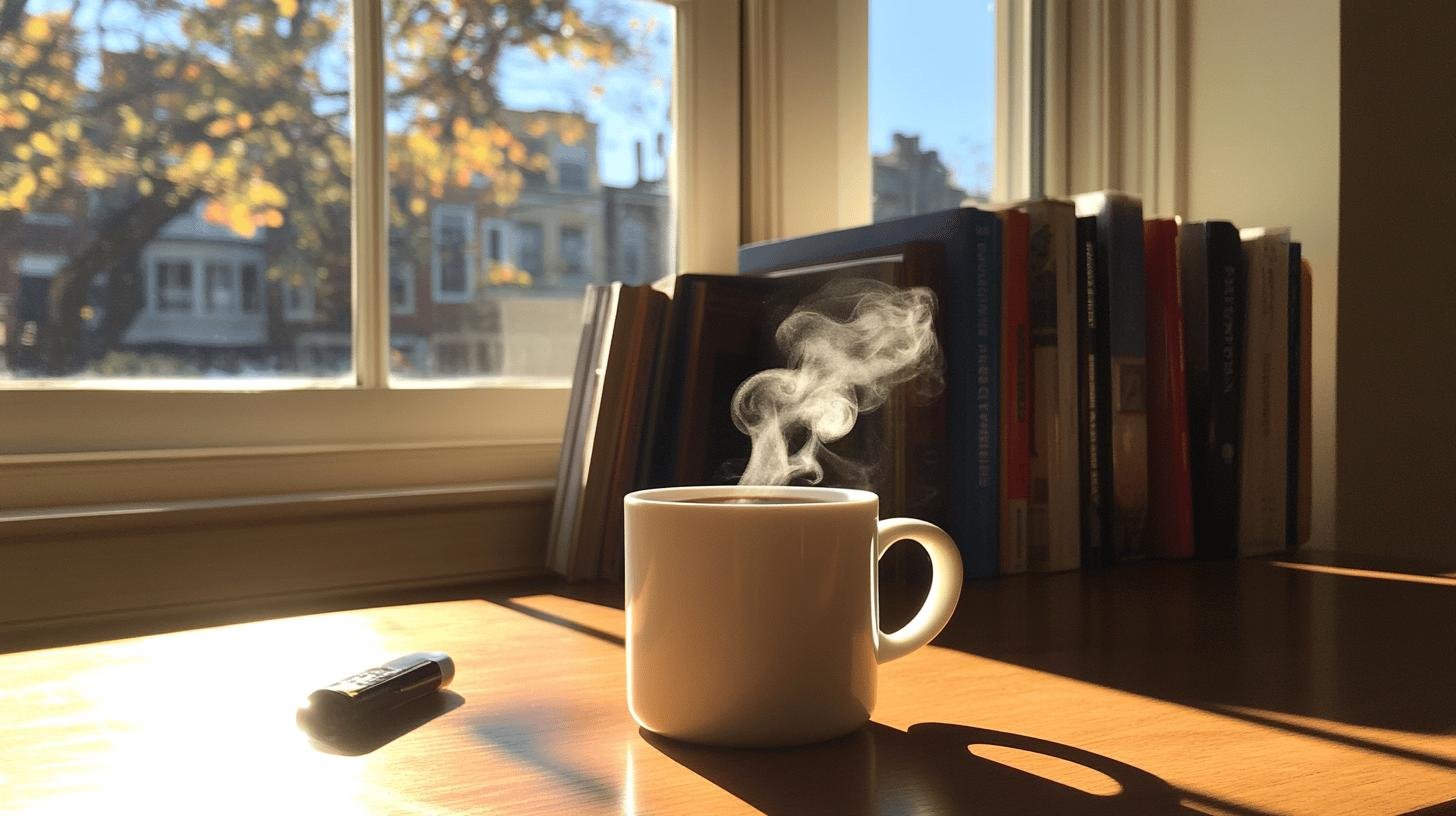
450, 245
931, 157
532, 134
174, 286
573, 251
530, 248
252, 283
221, 289
298, 302
401, 289
167, 132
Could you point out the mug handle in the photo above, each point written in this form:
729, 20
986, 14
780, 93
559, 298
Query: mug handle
945, 585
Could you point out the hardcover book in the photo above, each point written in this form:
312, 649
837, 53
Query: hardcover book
1055, 510
1263, 482
971, 242
1170, 500
1122, 282
1213, 311
1093, 428
1015, 391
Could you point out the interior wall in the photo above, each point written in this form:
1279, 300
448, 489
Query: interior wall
1397, 467
1263, 149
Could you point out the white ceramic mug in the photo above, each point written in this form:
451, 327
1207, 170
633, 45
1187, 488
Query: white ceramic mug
757, 624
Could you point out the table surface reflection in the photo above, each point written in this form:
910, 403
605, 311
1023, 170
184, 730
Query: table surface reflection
1240, 688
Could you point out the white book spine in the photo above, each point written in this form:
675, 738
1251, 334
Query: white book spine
1262, 486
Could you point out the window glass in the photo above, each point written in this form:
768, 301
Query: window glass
145, 147
547, 127
931, 157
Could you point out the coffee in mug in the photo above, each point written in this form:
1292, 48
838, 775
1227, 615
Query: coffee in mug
752, 612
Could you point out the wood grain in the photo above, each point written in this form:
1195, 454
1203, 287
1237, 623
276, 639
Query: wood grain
1243, 688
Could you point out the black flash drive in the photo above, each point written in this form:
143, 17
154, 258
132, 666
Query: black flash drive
350, 703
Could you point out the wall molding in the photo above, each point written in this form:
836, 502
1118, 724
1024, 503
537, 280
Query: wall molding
113, 563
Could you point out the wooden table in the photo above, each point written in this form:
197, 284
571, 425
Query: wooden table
1238, 688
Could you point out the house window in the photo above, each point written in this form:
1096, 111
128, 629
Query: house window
174, 286
573, 251
497, 241
252, 283
401, 288
634, 239
451, 252
220, 290
530, 248
572, 174
298, 303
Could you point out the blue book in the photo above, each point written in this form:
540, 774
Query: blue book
971, 327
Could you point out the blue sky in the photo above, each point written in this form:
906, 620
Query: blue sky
933, 73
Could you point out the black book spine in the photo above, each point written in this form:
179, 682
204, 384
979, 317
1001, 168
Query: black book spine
1227, 303
1194, 272
1093, 372
1296, 310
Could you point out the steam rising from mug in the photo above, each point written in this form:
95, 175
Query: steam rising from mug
848, 346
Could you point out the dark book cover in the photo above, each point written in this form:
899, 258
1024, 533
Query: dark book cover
1092, 399
733, 336
1170, 501
971, 241
1292, 473
1214, 304
1123, 282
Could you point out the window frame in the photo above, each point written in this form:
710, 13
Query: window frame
438, 213
53, 425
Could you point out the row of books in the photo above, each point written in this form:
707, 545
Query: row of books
1114, 388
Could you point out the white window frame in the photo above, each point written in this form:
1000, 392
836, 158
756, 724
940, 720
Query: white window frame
69, 447
194, 284
437, 270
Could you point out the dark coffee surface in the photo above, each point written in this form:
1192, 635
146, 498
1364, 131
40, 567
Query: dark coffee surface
753, 500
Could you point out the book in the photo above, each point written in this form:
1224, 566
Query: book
1093, 429
1306, 407
1292, 411
1170, 492
1015, 391
971, 242
1211, 262
1263, 485
565, 511
1055, 512
644, 346
1123, 285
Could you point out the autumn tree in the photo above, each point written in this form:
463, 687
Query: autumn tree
151, 106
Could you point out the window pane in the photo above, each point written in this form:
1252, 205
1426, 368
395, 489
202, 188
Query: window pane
169, 169
932, 84
529, 146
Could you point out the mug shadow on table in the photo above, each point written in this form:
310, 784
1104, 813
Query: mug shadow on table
938, 768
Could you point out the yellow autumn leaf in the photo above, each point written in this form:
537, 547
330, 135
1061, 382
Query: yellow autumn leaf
500, 137
199, 157
265, 194
572, 130
240, 220
537, 128
517, 153
144, 186
37, 30
460, 127
191, 73
245, 120
23, 152
72, 129
44, 144
540, 162
273, 219
417, 206
23, 189
286, 8
219, 128
29, 100
462, 177
88, 312
541, 49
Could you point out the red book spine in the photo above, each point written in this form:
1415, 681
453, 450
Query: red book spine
1015, 390
1170, 492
